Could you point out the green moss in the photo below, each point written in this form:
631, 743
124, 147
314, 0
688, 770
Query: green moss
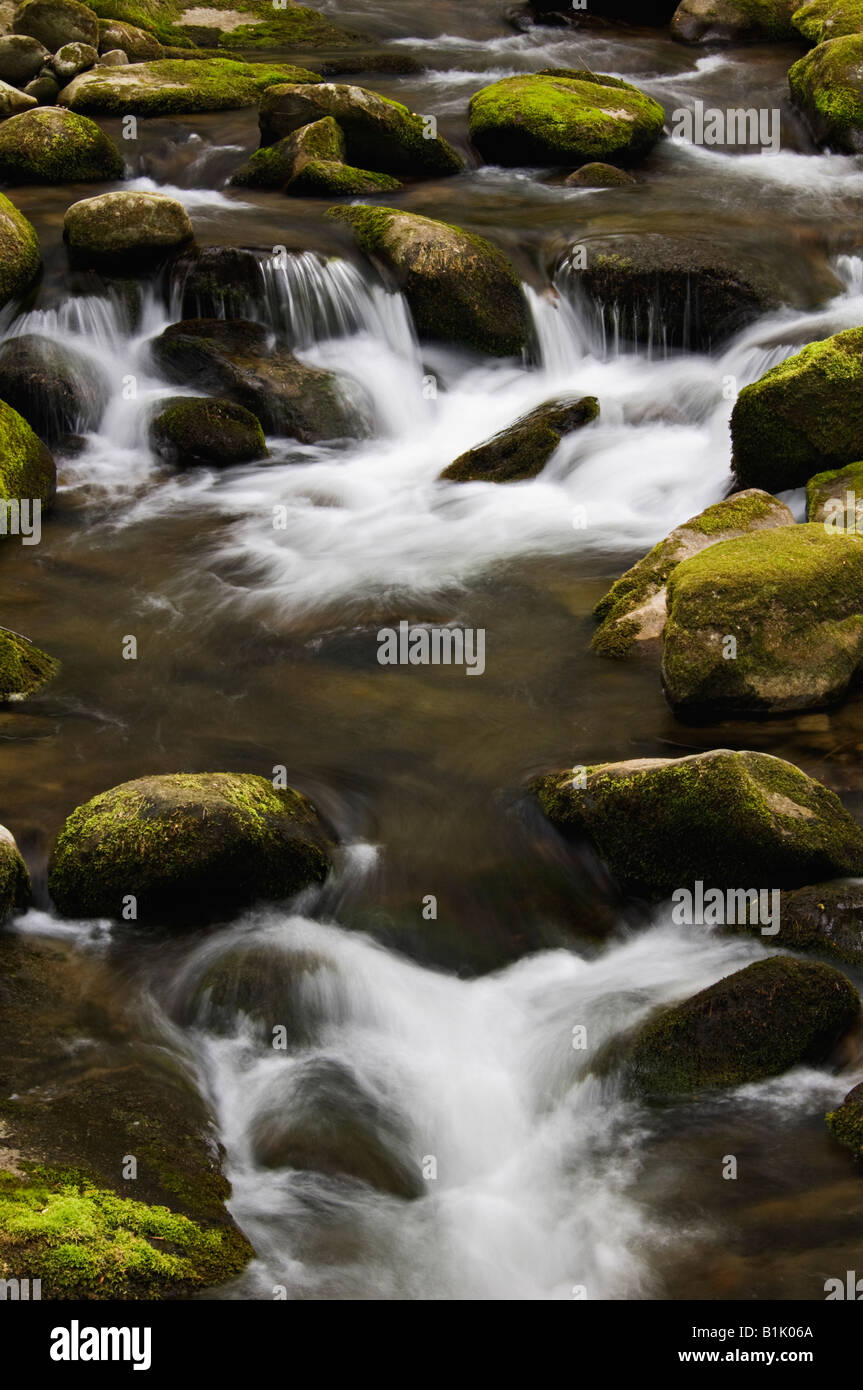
24, 669
172, 86
194, 431
27, 469
820, 20
523, 450
84, 1241
294, 27
50, 145
599, 176
846, 1122
825, 85
14, 878
320, 178
20, 257
831, 487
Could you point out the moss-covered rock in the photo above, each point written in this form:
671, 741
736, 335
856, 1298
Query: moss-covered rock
634, 610
273, 166
734, 21
820, 20
827, 87
55, 146
825, 917
247, 24
803, 417
236, 359
137, 44
57, 390
21, 59
176, 86
846, 1122
835, 497
57, 22
770, 622
218, 282
190, 847
192, 431
14, 877
598, 176
776, 1014
117, 230
13, 102
379, 134
27, 470
565, 117
20, 257
721, 817
460, 288
523, 449
24, 669
71, 59
326, 178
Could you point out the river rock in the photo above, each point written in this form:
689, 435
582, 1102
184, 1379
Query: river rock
27, 470
634, 610
218, 282
236, 359
262, 980
44, 89
192, 431
819, 20
827, 87
379, 134
191, 848
21, 59
564, 117
126, 229
14, 877
57, 390
273, 166
115, 58
73, 58
801, 417
523, 449
176, 86
845, 1123
137, 44
791, 602
24, 669
835, 498
721, 817
12, 101
825, 917
20, 257
761, 1021
598, 176
460, 288
55, 146
734, 21
57, 22
249, 24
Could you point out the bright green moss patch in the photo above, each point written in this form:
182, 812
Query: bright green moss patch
297, 26
23, 667
171, 86
20, 257
327, 177
26, 468
14, 878
820, 20
825, 84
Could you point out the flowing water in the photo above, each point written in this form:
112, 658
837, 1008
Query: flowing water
436, 1046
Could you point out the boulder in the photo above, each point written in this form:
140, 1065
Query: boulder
835, 498
825, 917
20, 257
56, 389
819, 20
523, 449
845, 1123
176, 86
115, 58
564, 117
193, 431
721, 817
236, 359
379, 134
249, 24
137, 44
803, 417
761, 1021
273, 166
126, 229
24, 669
827, 87
460, 288
44, 89
21, 59
327, 178
217, 282
598, 176
191, 848
262, 980
734, 21
634, 610
27, 470
14, 877
771, 622
71, 59
57, 22
12, 101
56, 146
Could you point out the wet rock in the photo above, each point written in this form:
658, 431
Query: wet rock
55, 146
827, 87
322, 178
56, 389
460, 288
236, 359
734, 21
791, 602
21, 59
523, 449
137, 44
379, 134
776, 1014
57, 22
394, 64
265, 26
176, 86
826, 917
634, 610
803, 417
44, 89
598, 176
218, 282
273, 166
20, 257
14, 877
564, 117
71, 59
27, 470
191, 432
721, 817
846, 1122
835, 498
263, 984
12, 101
191, 849
820, 20
24, 669
124, 230
114, 58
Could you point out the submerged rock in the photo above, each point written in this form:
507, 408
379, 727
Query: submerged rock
24, 669
191, 848
721, 817
770, 622
20, 257
192, 431
827, 87
846, 1122
21, 59
635, 608
56, 146
734, 21
773, 1015
27, 470
57, 22
126, 230
598, 176
176, 86
56, 389
564, 116
265, 984
460, 288
14, 877
523, 449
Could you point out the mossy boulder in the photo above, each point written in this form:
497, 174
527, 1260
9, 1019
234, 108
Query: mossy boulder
56, 146
634, 610
827, 87
176, 86
14, 877
326, 178
21, 59
191, 848
523, 449
820, 20
379, 134
138, 45
192, 431
564, 118
803, 417
236, 360
598, 175
71, 59
770, 622
734, 21
20, 257
845, 1123
835, 498
721, 817
24, 669
459, 287
825, 917
13, 102
219, 282
232, 24
27, 470
773, 1015
120, 230
273, 166
56, 22
57, 390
